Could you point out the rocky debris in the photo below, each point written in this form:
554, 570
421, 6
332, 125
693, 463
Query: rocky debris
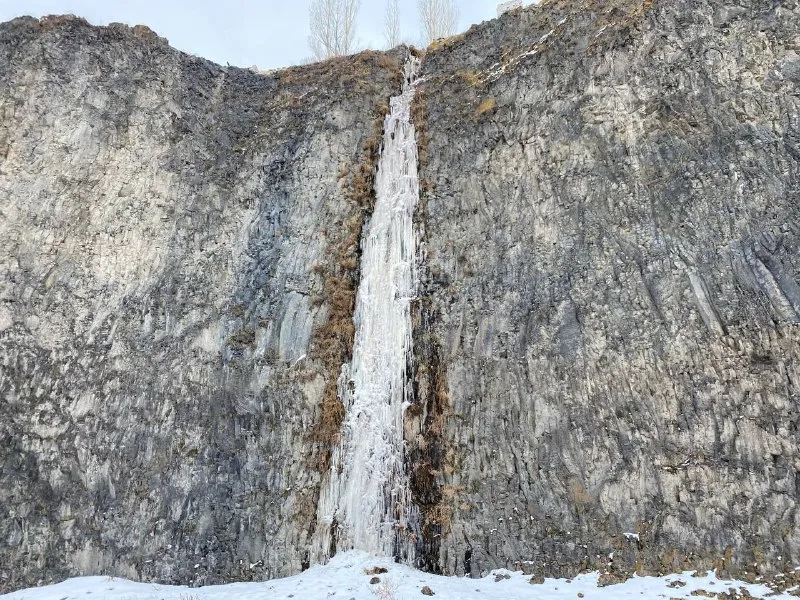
609, 578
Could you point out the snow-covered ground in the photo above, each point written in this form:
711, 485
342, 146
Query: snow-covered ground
346, 577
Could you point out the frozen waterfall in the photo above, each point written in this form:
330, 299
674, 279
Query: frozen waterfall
365, 500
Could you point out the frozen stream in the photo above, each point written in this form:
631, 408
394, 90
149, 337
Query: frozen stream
365, 502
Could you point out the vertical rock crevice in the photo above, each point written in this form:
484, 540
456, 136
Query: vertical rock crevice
430, 458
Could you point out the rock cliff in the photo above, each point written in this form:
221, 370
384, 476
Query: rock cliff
612, 299
606, 337
179, 249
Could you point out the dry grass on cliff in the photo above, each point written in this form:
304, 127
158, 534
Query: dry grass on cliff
486, 106
333, 340
333, 344
433, 461
359, 67
53, 21
419, 109
443, 43
338, 274
470, 78
441, 514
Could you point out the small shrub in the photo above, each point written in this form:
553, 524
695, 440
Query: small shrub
383, 109
387, 61
53, 21
144, 32
246, 338
287, 77
385, 591
581, 498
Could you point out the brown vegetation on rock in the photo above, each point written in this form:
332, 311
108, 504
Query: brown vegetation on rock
333, 340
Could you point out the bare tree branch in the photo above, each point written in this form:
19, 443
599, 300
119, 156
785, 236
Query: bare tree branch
439, 18
333, 27
391, 28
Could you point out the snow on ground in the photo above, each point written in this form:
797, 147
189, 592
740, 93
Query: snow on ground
346, 578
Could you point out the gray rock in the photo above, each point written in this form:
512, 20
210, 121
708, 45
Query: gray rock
611, 303
161, 218
606, 336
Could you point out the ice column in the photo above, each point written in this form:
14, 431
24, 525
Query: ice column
365, 500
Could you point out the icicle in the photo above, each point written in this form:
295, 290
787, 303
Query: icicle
367, 492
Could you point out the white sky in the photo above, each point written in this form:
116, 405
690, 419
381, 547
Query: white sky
264, 33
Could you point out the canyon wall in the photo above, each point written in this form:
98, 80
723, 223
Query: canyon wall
176, 239
606, 335
611, 294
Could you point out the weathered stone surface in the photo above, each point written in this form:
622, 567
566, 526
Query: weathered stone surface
606, 338
611, 230
162, 223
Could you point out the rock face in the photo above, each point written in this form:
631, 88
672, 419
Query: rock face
612, 298
606, 340
169, 229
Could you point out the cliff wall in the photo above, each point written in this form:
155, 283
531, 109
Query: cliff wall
179, 246
606, 336
611, 231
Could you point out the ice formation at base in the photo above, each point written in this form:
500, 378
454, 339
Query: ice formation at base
365, 500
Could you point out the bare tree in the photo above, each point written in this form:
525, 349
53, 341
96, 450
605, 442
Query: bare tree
391, 27
333, 27
439, 18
